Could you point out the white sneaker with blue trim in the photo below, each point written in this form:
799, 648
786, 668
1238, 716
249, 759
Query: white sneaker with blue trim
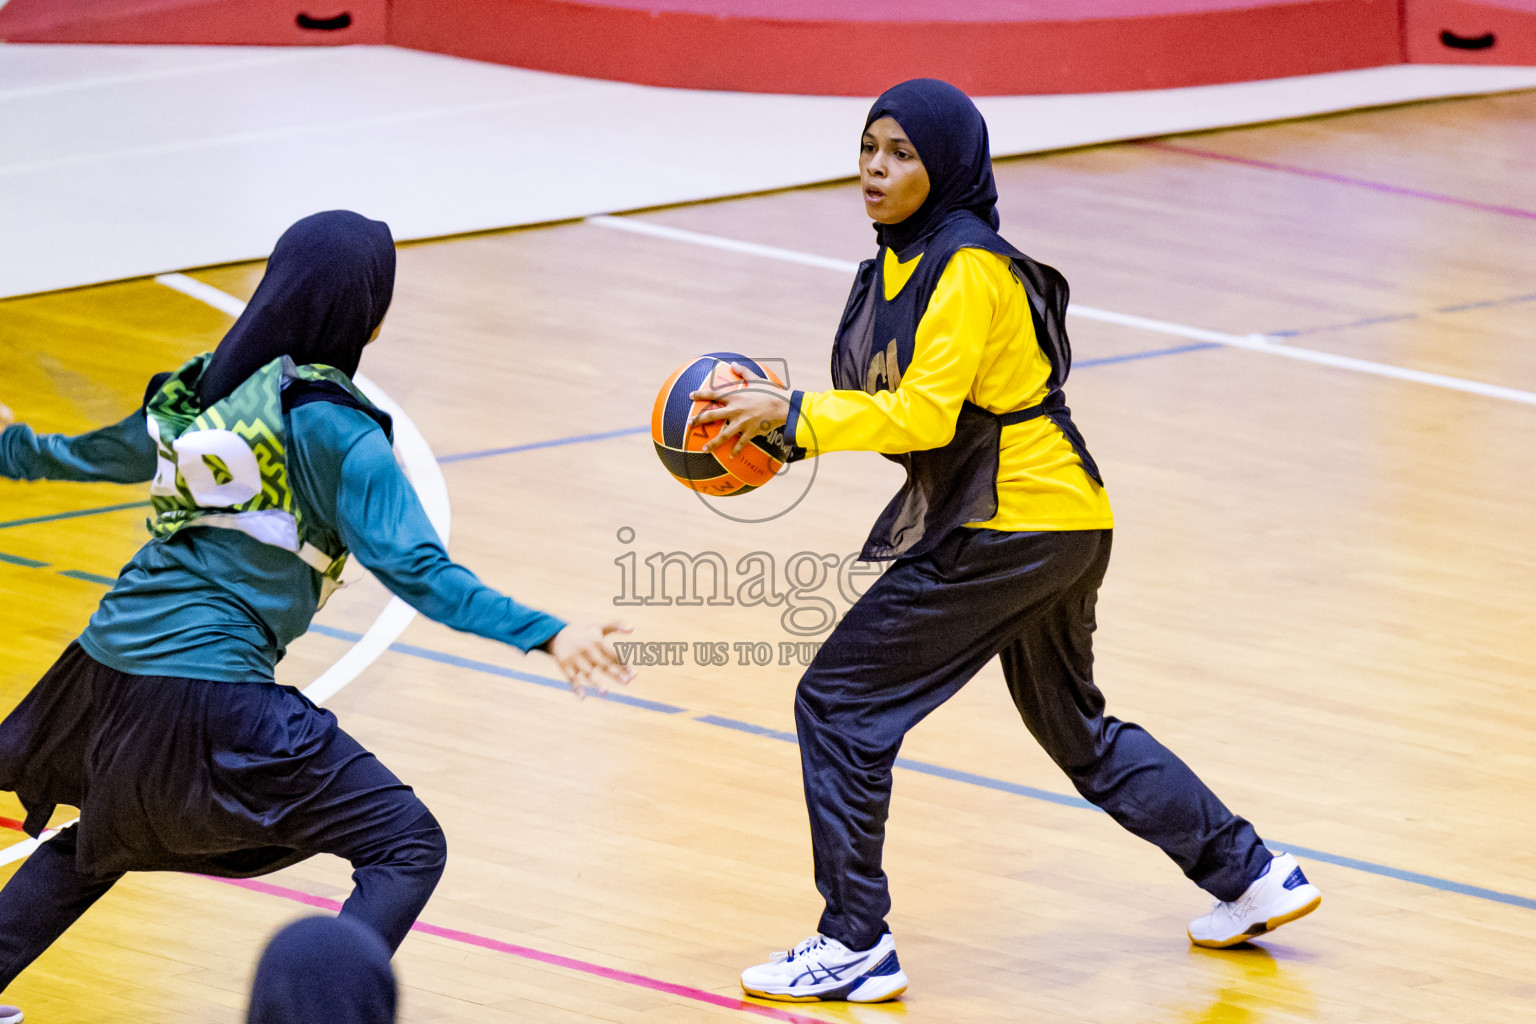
822, 969
10, 1015
1280, 895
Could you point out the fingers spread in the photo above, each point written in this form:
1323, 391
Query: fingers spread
710, 415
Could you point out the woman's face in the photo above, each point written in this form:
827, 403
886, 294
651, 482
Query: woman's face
894, 180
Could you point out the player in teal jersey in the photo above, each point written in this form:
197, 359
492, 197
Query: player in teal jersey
162, 722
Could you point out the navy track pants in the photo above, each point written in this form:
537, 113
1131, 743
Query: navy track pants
920, 633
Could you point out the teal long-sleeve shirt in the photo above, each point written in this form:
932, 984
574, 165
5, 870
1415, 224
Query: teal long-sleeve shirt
216, 604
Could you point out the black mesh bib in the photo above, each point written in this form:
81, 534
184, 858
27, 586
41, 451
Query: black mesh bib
957, 484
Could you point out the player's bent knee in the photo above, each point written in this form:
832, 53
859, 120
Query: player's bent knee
427, 846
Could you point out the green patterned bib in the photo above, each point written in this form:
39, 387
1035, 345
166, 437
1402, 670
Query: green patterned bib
226, 466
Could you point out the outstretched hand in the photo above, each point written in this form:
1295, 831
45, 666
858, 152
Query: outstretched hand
748, 412
585, 654
6, 416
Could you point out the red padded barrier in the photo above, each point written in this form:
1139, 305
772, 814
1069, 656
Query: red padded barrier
1469, 32
261, 22
843, 47
799, 47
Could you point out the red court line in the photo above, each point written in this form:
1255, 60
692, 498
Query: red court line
539, 956
11, 823
1344, 179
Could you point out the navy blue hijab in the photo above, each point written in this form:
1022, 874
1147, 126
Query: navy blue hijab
327, 287
324, 969
950, 136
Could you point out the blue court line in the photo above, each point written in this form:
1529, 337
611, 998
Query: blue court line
986, 782
1486, 304
908, 763
444, 658
748, 727
1369, 321
1415, 877
76, 514
88, 577
557, 442
605, 435
940, 771
1362, 322
1149, 354
74, 574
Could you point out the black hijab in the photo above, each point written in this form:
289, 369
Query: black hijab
324, 969
327, 287
951, 140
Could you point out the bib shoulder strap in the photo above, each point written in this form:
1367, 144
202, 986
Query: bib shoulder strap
303, 385
297, 392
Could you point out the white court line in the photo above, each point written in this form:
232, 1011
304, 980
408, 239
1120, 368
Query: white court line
420, 466
1250, 342
22, 850
772, 252
207, 294
426, 476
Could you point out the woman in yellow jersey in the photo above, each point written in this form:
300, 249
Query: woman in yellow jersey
950, 359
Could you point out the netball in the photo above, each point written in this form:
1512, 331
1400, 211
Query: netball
680, 446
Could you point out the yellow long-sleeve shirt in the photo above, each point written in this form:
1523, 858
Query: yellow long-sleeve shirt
976, 341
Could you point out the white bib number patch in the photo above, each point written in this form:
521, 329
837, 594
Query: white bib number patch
217, 466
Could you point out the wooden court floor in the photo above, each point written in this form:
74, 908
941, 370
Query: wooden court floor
1323, 596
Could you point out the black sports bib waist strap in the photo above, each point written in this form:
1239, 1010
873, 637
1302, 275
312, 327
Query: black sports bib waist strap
1034, 412
1051, 402
1054, 406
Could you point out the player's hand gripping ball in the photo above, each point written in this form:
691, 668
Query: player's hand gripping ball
680, 448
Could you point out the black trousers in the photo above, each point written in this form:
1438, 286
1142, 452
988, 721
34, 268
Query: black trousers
920, 633
233, 779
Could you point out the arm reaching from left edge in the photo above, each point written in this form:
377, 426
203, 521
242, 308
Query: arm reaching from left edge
382, 522
123, 453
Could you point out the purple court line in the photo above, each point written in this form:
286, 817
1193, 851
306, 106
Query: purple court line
539, 956
1344, 179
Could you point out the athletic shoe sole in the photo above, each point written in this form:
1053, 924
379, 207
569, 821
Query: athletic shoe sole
1260, 928
867, 992
867, 988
